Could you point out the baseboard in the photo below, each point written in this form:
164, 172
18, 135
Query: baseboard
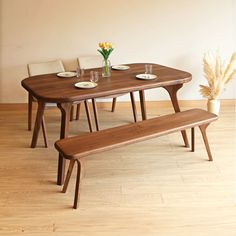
107, 105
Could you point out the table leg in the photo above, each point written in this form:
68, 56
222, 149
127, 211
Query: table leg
38, 122
133, 106
172, 90
143, 104
88, 115
44, 132
113, 104
65, 117
95, 112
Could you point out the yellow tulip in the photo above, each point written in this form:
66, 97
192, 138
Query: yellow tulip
105, 45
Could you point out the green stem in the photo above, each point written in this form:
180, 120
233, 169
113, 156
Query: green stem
106, 68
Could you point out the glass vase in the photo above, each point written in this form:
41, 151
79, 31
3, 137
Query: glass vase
106, 68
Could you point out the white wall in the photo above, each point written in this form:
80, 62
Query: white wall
172, 33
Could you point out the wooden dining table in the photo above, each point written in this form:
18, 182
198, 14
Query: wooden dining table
50, 88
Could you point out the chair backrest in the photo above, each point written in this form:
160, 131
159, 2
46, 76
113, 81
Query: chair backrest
45, 68
88, 62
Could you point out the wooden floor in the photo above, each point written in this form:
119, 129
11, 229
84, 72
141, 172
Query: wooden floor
156, 187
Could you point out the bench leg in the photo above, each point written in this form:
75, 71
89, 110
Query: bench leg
192, 139
172, 90
77, 184
68, 175
204, 136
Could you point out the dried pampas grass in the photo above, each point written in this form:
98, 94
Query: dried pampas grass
217, 74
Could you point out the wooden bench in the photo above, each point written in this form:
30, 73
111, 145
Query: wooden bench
74, 148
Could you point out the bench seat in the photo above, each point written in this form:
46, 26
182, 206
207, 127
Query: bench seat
74, 148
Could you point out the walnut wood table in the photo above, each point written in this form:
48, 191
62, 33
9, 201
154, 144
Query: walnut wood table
51, 88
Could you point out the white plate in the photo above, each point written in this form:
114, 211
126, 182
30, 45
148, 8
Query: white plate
67, 74
120, 67
86, 85
146, 76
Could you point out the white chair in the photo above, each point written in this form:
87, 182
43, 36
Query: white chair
45, 68
49, 67
95, 61
88, 62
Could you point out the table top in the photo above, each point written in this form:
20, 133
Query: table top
51, 88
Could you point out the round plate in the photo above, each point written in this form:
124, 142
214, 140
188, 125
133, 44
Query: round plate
86, 85
120, 67
146, 76
66, 74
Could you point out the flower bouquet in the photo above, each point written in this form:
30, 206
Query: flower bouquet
218, 74
105, 49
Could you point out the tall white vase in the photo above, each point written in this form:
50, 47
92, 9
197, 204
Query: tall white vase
213, 106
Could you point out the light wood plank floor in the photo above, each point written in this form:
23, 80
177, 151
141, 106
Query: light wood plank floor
156, 187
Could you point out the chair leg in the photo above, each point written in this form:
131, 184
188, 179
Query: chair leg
204, 136
44, 132
88, 115
77, 184
95, 112
77, 111
30, 104
68, 175
192, 139
72, 113
113, 105
133, 106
